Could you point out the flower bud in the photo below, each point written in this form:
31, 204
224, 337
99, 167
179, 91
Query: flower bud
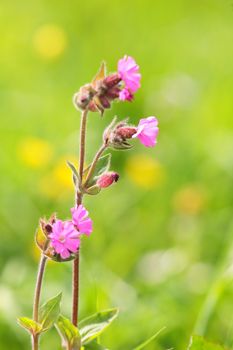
104, 102
125, 132
116, 135
113, 93
46, 225
83, 97
111, 80
107, 179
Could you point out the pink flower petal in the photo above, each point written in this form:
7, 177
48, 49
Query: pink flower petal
64, 238
125, 95
65, 254
128, 70
147, 131
81, 220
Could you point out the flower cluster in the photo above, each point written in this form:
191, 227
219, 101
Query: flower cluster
60, 240
99, 94
65, 235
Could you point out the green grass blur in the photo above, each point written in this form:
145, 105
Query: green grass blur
162, 248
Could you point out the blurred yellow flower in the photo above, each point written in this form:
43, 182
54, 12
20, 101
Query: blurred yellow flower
145, 171
189, 199
59, 181
50, 41
35, 152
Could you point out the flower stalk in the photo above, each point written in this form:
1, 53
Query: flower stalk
36, 304
94, 162
75, 284
60, 240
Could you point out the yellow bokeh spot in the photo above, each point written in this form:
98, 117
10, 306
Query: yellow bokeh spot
62, 173
50, 41
189, 200
145, 171
59, 181
35, 152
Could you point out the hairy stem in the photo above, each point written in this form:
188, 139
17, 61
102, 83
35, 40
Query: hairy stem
40, 275
35, 342
94, 162
75, 284
82, 142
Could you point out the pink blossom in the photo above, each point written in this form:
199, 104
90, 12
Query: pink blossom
107, 179
64, 238
125, 95
147, 131
81, 220
128, 70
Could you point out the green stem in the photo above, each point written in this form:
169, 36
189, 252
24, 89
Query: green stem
94, 162
75, 284
82, 142
40, 275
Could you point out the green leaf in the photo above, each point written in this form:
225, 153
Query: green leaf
101, 167
103, 164
69, 333
123, 146
100, 75
199, 343
93, 190
76, 178
41, 239
148, 341
30, 325
94, 346
49, 312
93, 326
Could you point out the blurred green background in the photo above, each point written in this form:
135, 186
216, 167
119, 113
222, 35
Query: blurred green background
162, 247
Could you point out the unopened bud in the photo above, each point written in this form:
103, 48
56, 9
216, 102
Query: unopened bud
83, 97
48, 228
125, 132
104, 102
116, 135
113, 93
112, 80
46, 225
107, 179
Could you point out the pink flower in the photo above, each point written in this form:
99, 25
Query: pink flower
147, 131
107, 179
64, 238
128, 70
125, 95
81, 220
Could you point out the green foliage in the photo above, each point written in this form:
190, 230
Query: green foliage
148, 341
69, 333
93, 326
199, 343
103, 165
40, 238
93, 190
156, 250
76, 178
49, 312
30, 325
94, 346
